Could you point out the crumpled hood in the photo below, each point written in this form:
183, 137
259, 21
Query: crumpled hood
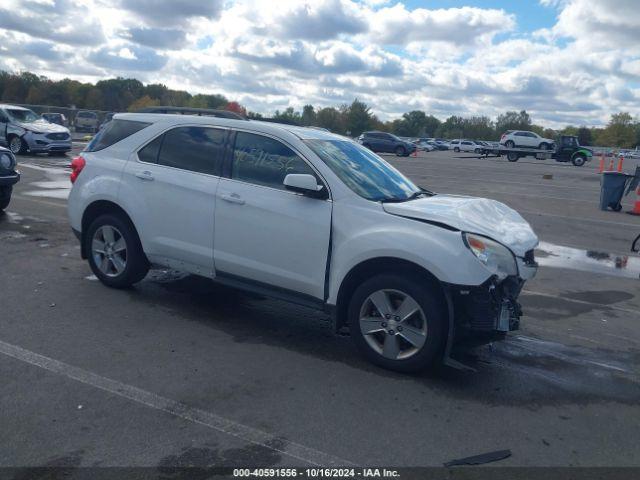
474, 215
42, 126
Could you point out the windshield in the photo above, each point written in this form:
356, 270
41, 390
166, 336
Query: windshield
363, 171
25, 116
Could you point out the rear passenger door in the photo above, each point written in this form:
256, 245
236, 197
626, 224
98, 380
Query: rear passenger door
266, 235
175, 177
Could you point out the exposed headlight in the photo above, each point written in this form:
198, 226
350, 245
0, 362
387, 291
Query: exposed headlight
496, 257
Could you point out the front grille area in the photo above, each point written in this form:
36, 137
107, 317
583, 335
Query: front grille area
57, 136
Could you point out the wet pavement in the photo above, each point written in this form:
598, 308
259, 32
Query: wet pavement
564, 390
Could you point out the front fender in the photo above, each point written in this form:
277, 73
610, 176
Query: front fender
438, 250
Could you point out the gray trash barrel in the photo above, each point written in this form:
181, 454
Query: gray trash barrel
612, 189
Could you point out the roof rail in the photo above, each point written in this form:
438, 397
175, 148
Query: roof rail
207, 112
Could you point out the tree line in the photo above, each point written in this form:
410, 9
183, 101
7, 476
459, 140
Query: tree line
127, 94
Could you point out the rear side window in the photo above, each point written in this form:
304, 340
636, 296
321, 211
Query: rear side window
149, 153
265, 161
113, 132
198, 149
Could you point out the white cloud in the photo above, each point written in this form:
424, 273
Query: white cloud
270, 55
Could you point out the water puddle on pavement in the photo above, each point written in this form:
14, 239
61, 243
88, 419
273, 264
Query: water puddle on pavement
57, 184
558, 256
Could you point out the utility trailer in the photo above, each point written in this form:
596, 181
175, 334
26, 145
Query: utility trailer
566, 149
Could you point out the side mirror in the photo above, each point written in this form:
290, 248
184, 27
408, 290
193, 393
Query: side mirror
305, 184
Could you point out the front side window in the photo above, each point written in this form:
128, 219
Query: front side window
198, 149
24, 116
363, 171
264, 161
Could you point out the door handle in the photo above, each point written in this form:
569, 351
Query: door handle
232, 198
146, 175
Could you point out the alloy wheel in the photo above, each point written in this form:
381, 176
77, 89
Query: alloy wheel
109, 250
15, 145
393, 324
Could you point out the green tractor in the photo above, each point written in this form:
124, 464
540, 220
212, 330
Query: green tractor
568, 149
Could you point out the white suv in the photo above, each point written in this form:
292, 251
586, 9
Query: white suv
465, 146
302, 215
522, 138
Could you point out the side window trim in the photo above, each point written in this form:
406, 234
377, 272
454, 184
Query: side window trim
227, 167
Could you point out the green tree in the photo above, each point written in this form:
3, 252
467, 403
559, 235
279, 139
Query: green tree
358, 118
584, 136
513, 121
288, 116
308, 115
330, 118
620, 131
143, 102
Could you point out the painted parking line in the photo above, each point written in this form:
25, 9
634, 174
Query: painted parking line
178, 409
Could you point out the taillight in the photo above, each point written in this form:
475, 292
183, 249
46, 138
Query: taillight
502, 137
77, 164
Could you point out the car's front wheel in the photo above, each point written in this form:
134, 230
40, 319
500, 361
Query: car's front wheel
579, 160
456, 149
397, 322
17, 145
115, 253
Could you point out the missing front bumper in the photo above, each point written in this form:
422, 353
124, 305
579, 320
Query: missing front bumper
486, 312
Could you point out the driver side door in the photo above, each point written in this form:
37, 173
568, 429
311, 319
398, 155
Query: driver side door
266, 235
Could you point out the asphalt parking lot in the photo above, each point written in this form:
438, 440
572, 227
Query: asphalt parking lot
180, 372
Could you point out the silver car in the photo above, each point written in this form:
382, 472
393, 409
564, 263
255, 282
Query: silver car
23, 130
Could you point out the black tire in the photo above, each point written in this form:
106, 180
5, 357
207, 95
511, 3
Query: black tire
5, 197
544, 146
478, 151
513, 156
136, 266
456, 149
579, 160
430, 303
21, 148
401, 151
510, 144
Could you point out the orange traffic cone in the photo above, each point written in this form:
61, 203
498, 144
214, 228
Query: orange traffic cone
601, 163
610, 169
636, 205
620, 162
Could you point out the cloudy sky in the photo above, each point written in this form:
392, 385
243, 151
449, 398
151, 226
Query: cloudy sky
564, 61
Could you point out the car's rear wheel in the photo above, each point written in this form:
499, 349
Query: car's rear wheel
456, 149
397, 322
510, 144
401, 151
578, 160
115, 253
17, 145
